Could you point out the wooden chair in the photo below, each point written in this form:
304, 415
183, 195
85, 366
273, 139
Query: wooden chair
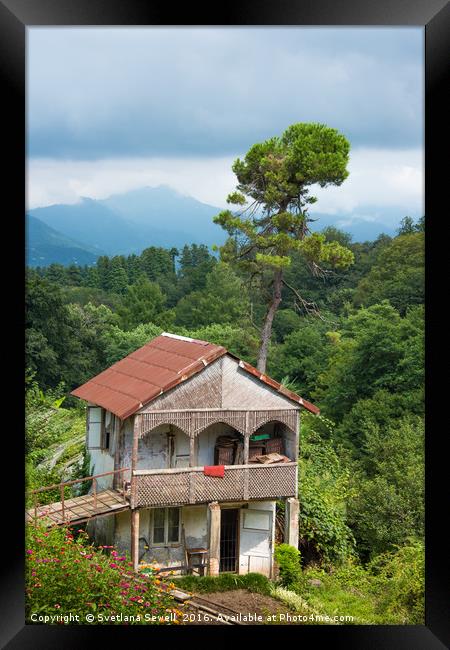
202, 562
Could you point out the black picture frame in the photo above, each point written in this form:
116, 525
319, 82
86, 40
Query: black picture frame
15, 16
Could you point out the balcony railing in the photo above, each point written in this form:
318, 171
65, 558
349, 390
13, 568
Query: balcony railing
166, 487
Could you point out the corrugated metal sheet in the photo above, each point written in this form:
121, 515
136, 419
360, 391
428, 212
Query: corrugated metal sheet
156, 367
147, 372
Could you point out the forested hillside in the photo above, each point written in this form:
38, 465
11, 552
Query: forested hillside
359, 358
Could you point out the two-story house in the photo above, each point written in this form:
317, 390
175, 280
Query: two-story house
208, 444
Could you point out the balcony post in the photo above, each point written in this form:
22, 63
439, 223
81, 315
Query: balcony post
134, 458
192, 450
214, 538
291, 522
247, 437
135, 539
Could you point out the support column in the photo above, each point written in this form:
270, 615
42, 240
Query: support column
134, 459
291, 522
247, 438
135, 538
192, 451
246, 447
214, 538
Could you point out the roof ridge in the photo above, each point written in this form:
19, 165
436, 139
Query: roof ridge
155, 347
185, 338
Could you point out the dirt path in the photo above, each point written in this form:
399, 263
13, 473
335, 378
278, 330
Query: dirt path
249, 608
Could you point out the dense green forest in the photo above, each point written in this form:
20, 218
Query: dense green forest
359, 357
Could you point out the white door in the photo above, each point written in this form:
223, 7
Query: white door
255, 553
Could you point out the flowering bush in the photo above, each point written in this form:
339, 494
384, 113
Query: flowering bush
66, 575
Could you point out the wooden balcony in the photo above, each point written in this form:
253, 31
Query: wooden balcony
170, 487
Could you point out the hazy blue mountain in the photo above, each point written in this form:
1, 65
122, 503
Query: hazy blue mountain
154, 217
159, 216
361, 229
45, 246
92, 223
175, 219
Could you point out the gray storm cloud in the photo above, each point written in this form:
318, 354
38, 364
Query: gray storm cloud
101, 93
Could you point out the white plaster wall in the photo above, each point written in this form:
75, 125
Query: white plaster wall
101, 462
122, 531
194, 519
206, 441
153, 449
290, 443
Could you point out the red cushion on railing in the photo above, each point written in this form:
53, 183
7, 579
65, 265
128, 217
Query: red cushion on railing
214, 470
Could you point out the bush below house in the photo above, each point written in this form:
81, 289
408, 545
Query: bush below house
68, 580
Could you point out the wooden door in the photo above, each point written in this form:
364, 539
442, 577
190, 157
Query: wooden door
255, 552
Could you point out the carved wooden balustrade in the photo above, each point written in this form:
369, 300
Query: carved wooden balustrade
192, 422
169, 487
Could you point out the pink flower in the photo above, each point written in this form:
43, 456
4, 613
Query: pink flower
113, 566
57, 606
29, 552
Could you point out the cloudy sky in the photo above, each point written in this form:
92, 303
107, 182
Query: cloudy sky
113, 109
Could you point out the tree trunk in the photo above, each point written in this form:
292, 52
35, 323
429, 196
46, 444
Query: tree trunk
266, 331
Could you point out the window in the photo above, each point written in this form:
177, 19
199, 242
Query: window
96, 421
165, 526
110, 422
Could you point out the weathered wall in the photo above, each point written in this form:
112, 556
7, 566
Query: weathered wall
206, 441
255, 551
203, 390
101, 529
153, 449
222, 384
194, 519
290, 442
242, 391
102, 461
126, 445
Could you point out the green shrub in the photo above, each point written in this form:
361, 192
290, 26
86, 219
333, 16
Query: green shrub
400, 583
254, 582
288, 560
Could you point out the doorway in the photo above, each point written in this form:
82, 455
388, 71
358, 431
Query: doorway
229, 545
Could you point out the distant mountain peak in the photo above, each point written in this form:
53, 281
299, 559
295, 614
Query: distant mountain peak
129, 222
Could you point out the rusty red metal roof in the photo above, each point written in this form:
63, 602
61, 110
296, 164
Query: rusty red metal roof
155, 368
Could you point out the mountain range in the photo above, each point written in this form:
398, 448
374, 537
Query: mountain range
129, 222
